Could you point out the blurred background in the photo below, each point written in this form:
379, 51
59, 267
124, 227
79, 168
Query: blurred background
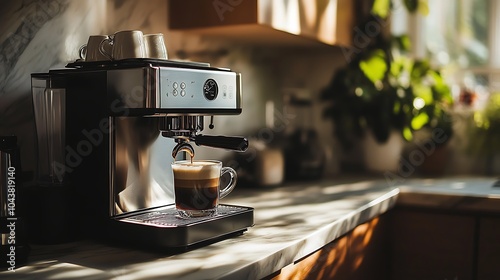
326, 84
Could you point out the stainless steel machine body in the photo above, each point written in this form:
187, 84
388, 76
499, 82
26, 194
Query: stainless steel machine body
122, 122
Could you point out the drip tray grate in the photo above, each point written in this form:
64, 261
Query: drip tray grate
168, 216
163, 227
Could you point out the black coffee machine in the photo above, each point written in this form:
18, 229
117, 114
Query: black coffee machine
111, 127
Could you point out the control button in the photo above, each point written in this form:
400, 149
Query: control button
183, 85
175, 85
231, 92
174, 92
183, 92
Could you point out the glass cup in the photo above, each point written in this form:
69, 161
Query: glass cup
197, 186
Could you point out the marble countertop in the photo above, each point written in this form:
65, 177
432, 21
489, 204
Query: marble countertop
290, 223
458, 194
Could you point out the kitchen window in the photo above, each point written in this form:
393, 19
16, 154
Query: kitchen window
462, 36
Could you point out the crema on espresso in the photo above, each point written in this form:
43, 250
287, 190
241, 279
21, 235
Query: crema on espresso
196, 185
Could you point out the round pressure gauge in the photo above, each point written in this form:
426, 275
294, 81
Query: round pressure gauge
210, 89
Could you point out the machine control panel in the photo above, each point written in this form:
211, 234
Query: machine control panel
198, 89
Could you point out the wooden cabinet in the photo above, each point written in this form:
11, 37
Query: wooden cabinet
488, 255
409, 243
360, 254
431, 245
263, 22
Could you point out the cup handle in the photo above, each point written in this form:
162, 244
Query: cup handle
83, 51
232, 183
102, 50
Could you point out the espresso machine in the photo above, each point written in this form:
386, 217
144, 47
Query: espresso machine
117, 125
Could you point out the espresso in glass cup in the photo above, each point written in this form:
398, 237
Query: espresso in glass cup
197, 186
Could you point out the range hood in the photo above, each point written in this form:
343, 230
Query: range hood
267, 22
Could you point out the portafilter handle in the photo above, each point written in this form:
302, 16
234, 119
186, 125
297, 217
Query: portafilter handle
239, 144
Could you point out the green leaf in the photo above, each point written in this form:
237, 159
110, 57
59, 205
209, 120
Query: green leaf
381, 8
407, 134
374, 67
403, 42
397, 108
441, 88
401, 65
423, 7
419, 121
423, 92
411, 5
420, 69
397, 68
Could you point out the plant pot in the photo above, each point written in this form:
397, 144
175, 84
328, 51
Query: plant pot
435, 163
382, 157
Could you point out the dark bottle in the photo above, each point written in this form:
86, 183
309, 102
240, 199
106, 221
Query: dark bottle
13, 249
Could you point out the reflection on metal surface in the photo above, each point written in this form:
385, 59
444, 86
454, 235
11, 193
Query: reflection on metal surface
141, 177
134, 88
49, 107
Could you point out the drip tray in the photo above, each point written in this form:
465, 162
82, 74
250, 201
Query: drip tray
162, 227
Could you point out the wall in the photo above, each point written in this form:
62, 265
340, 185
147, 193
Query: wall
36, 36
41, 35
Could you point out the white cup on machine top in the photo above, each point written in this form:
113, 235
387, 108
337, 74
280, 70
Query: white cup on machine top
90, 51
123, 44
154, 45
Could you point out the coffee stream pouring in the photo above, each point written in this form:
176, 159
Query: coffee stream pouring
183, 147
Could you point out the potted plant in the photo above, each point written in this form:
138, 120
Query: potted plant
434, 103
383, 94
486, 134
